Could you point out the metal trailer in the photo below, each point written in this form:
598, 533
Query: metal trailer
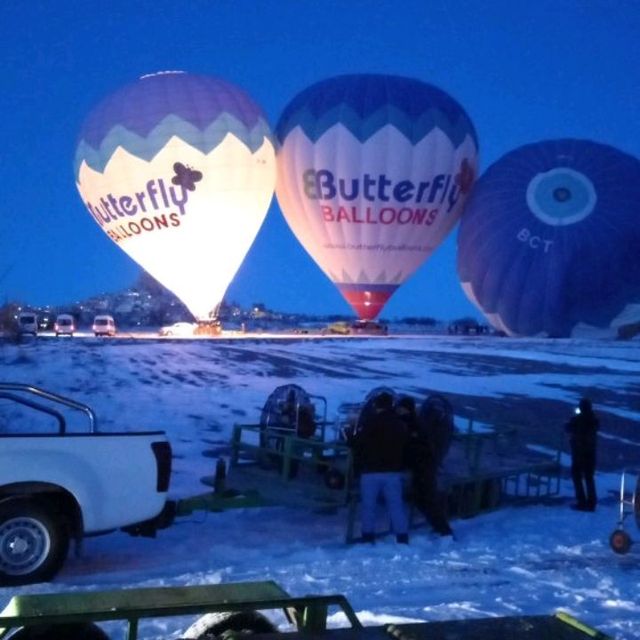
75, 615
620, 540
484, 469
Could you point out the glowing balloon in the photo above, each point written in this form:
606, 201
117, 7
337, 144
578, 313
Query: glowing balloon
373, 172
550, 238
179, 170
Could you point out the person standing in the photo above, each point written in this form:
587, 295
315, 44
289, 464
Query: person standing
583, 431
429, 440
379, 447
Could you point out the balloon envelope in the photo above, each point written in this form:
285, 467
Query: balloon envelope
373, 172
550, 238
179, 170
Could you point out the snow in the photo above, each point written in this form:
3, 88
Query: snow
529, 560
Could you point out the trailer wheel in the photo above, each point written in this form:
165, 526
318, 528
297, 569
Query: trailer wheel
229, 623
334, 479
33, 543
620, 541
72, 631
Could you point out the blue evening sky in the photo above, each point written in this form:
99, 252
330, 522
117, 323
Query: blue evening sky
524, 71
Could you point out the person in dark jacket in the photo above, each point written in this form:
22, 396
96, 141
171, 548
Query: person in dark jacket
583, 432
379, 447
424, 456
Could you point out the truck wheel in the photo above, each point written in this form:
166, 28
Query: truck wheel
33, 543
70, 631
218, 625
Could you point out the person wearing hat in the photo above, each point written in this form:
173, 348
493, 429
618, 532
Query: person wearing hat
583, 429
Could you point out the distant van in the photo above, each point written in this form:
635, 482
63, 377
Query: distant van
65, 325
104, 326
27, 323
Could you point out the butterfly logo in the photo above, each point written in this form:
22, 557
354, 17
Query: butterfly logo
185, 177
466, 177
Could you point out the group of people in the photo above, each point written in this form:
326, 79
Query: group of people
392, 438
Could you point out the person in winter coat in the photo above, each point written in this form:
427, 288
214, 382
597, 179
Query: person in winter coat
379, 446
426, 450
583, 431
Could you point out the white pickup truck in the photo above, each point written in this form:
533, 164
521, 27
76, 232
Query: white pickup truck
57, 485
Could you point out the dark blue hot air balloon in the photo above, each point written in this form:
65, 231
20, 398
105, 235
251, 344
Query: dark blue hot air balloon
550, 239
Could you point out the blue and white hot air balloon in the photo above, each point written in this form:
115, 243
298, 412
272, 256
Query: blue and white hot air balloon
179, 171
550, 239
373, 173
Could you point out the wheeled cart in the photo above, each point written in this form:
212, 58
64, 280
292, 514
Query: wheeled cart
620, 540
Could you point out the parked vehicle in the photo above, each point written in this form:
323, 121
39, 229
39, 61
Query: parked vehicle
104, 325
368, 328
27, 323
467, 326
65, 325
59, 486
178, 329
337, 328
46, 321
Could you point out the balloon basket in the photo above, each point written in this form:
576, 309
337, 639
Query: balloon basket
208, 328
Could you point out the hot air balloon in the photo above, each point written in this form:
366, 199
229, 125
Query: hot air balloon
179, 170
550, 239
373, 172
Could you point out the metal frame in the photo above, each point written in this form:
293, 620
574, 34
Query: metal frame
629, 504
306, 454
52, 397
308, 613
485, 471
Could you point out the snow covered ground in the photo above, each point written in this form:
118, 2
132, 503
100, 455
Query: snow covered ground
519, 560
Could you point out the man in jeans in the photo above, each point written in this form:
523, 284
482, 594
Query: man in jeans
379, 451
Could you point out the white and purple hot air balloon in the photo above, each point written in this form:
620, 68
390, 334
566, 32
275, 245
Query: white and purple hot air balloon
373, 173
179, 171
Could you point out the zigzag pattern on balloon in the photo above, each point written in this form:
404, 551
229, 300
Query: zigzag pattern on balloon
366, 280
147, 147
362, 129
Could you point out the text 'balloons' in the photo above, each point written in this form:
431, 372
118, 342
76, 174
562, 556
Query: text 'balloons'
550, 239
179, 170
373, 173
